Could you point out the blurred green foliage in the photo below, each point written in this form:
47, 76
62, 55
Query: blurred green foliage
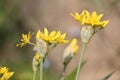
26, 73
12, 23
10, 20
72, 75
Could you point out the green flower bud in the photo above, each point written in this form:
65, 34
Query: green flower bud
87, 32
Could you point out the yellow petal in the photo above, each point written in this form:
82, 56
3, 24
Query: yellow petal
87, 14
72, 15
94, 15
77, 14
74, 42
58, 34
105, 23
63, 36
75, 49
29, 35
23, 36
7, 75
45, 31
100, 16
38, 34
52, 34
65, 41
17, 45
3, 70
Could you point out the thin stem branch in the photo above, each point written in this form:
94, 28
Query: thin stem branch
34, 75
63, 77
41, 69
63, 73
80, 60
32, 43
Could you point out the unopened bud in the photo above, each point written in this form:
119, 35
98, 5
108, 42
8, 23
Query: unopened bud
70, 51
41, 47
67, 55
34, 64
86, 33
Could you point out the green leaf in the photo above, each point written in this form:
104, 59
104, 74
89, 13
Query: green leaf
108, 76
73, 73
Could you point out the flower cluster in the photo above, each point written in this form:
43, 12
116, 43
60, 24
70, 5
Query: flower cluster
44, 41
54, 36
90, 24
5, 74
49, 38
86, 19
25, 39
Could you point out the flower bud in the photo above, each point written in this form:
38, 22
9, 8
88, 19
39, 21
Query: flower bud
34, 65
87, 32
36, 61
67, 55
41, 47
70, 51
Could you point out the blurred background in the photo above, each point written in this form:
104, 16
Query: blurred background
22, 16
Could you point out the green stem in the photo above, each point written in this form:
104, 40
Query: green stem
63, 73
34, 75
41, 69
80, 60
63, 77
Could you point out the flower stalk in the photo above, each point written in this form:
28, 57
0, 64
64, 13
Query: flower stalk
63, 73
41, 69
34, 75
35, 64
91, 23
62, 78
80, 60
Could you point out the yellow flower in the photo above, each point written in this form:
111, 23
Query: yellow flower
91, 23
46, 36
94, 20
51, 37
5, 74
25, 39
3, 70
79, 17
70, 51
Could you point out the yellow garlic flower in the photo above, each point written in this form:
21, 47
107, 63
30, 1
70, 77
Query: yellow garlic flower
51, 37
94, 20
25, 39
70, 51
5, 74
